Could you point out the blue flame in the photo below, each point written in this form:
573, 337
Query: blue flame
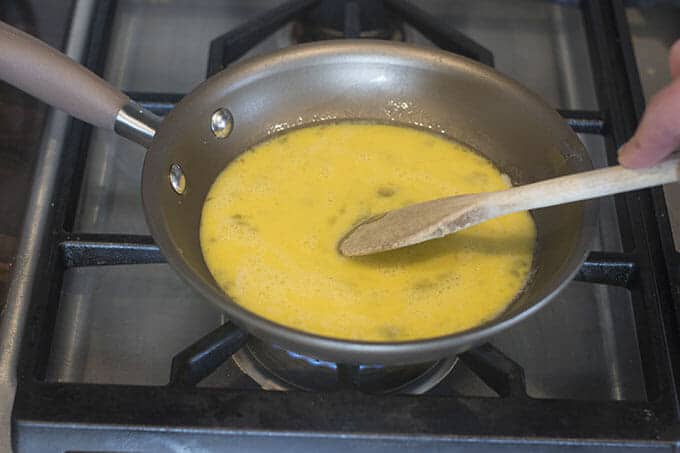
323, 363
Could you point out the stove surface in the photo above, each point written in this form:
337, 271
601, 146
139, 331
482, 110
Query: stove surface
124, 325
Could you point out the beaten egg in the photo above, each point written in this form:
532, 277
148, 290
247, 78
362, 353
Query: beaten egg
272, 220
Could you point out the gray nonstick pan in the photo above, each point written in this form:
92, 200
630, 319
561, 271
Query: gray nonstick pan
333, 80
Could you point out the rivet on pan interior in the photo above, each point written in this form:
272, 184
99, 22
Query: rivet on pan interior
177, 179
222, 123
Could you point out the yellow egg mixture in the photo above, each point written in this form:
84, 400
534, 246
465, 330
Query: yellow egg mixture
273, 218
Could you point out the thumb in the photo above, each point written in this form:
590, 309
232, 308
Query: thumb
659, 131
674, 59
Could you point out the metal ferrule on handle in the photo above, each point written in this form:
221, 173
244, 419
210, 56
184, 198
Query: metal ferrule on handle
136, 123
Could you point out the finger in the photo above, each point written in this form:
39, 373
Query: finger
659, 131
674, 59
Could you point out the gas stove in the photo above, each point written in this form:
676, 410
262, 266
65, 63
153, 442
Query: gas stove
118, 354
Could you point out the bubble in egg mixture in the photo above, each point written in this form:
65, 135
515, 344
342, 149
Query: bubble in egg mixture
273, 218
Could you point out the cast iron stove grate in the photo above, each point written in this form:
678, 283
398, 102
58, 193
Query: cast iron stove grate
124, 417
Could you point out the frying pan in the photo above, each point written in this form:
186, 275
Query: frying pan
334, 80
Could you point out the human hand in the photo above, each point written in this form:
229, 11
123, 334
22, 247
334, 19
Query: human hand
658, 134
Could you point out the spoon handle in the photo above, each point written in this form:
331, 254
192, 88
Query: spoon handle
584, 186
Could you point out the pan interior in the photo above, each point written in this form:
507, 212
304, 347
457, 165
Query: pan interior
367, 81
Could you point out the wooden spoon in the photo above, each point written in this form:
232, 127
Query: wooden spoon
437, 218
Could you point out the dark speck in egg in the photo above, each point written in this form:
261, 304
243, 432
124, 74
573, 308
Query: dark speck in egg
386, 191
388, 331
422, 285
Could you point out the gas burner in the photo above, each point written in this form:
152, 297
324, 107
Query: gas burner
275, 368
333, 19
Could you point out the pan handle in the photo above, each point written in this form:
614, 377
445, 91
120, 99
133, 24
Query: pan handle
41, 71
